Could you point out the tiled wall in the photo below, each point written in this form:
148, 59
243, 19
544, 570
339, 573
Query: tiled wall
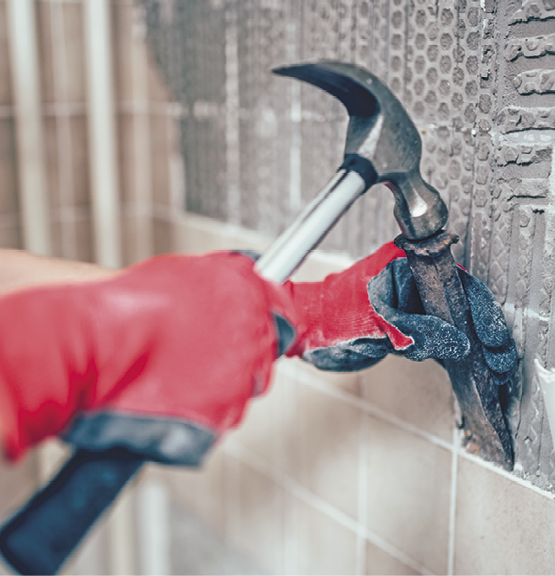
329, 474
144, 131
476, 77
361, 473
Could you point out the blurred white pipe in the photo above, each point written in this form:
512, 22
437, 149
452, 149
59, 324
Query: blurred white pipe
154, 528
102, 134
120, 526
31, 165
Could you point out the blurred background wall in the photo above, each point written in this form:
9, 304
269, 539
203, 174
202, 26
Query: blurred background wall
129, 129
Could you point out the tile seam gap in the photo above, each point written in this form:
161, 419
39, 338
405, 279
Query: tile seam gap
516, 479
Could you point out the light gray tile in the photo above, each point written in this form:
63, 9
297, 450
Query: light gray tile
502, 527
380, 562
200, 490
417, 392
8, 155
260, 527
5, 75
350, 382
408, 493
324, 546
329, 448
269, 427
18, 481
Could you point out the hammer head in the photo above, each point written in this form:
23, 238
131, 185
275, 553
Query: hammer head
380, 132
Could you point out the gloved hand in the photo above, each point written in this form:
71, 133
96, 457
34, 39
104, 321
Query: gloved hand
358, 316
161, 358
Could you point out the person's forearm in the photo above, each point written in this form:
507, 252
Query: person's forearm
19, 269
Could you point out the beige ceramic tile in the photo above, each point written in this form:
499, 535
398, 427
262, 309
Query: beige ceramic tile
380, 562
160, 155
323, 545
57, 238
122, 23
11, 235
8, 179
47, 66
502, 527
75, 89
417, 392
345, 381
50, 133
329, 448
18, 482
126, 157
159, 91
268, 429
130, 231
61, 48
408, 493
201, 490
79, 154
163, 236
195, 240
197, 235
5, 72
259, 530
84, 234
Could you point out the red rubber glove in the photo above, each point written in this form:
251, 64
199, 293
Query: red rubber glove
351, 326
160, 358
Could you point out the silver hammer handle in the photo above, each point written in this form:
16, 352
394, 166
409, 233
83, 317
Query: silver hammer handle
290, 249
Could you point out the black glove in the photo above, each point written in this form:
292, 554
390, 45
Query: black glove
394, 296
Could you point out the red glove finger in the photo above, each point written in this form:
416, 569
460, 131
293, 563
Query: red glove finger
337, 310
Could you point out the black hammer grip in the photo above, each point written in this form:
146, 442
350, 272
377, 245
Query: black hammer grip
44, 533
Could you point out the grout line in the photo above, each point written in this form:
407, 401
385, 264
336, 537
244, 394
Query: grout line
61, 108
508, 475
247, 457
453, 502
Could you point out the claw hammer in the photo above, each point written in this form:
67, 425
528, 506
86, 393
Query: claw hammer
382, 145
